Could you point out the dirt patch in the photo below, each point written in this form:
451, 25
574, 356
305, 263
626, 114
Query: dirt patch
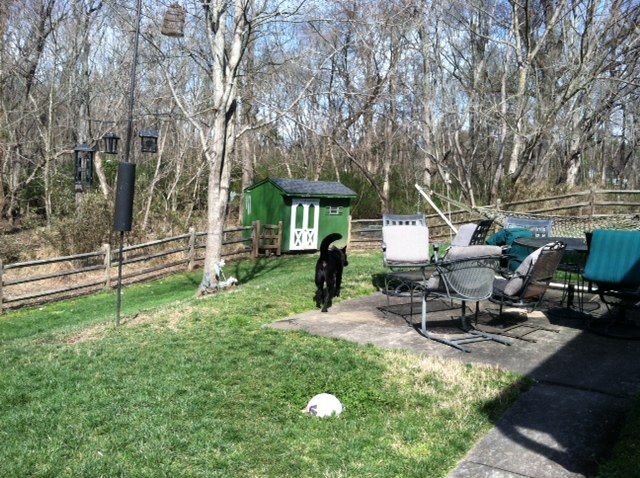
430, 375
169, 319
95, 332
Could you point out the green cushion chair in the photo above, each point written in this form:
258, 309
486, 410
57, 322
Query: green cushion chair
614, 266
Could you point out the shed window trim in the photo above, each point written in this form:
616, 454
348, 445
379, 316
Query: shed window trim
335, 210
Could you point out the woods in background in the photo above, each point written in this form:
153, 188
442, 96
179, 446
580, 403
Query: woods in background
499, 98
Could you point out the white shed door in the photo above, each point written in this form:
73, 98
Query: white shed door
305, 215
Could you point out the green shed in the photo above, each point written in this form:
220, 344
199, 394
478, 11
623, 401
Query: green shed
309, 210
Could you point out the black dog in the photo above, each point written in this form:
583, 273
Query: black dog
329, 271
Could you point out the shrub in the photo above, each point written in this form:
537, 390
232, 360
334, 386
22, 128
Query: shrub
84, 231
10, 249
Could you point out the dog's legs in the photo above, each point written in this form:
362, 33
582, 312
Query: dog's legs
329, 293
338, 282
319, 288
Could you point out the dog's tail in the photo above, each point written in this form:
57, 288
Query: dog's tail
326, 242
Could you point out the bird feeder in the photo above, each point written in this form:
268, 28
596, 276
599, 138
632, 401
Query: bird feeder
111, 143
148, 141
173, 22
83, 166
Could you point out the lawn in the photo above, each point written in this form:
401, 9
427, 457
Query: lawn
201, 388
625, 461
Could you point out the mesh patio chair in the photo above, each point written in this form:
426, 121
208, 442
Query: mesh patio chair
527, 287
465, 280
470, 234
480, 234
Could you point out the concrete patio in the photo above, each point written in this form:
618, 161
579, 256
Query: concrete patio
562, 427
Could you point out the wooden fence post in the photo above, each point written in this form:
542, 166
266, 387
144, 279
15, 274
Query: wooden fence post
279, 249
592, 202
256, 239
349, 231
106, 248
192, 248
1, 275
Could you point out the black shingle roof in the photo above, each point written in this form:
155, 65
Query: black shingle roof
313, 188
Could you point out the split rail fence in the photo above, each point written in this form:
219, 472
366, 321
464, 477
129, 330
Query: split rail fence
61, 277
592, 204
31, 282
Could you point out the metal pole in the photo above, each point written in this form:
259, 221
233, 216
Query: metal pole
127, 147
119, 295
433, 205
132, 86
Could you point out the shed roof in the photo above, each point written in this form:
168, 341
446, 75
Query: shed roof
301, 187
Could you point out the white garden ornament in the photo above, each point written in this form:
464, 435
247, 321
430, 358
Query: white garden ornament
323, 405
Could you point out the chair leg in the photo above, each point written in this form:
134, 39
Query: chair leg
411, 289
476, 314
424, 314
386, 288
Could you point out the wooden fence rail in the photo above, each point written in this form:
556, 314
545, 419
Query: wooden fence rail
96, 267
592, 203
594, 199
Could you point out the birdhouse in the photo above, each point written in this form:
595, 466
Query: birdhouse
148, 141
309, 210
83, 166
111, 143
173, 22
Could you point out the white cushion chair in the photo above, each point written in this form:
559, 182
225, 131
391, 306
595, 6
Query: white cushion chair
405, 246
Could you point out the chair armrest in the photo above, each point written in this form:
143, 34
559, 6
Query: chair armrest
469, 278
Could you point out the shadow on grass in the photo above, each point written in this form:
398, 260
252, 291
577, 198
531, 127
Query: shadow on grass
377, 280
257, 268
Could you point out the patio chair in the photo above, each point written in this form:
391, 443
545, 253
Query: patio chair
404, 220
405, 247
613, 265
470, 234
527, 286
464, 280
539, 227
405, 241
480, 234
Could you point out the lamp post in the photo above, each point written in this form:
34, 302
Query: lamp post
126, 171
173, 26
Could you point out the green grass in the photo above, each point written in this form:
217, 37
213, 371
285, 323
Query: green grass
625, 460
200, 388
